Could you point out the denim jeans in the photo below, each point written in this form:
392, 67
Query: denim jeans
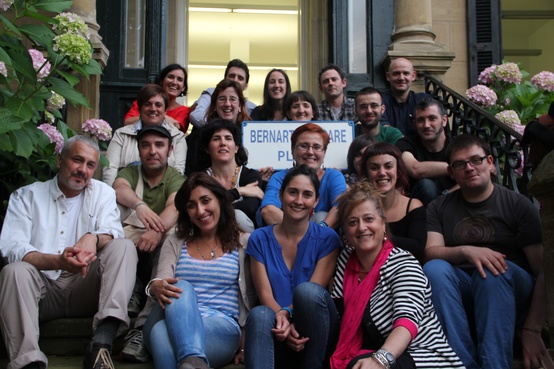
315, 316
426, 190
499, 304
180, 331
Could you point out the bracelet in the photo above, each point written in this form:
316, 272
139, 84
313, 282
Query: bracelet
380, 359
147, 289
324, 224
97, 238
289, 310
538, 331
139, 204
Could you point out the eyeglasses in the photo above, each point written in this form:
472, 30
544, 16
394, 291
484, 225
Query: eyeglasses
232, 99
474, 161
305, 147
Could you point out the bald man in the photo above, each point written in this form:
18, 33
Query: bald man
399, 100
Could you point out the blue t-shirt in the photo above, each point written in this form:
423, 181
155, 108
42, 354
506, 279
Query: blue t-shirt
332, 185
317, 243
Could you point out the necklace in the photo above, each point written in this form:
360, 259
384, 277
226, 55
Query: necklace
213, 254
235, 177
361, 276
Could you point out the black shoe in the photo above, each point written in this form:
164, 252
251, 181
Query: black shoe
98, 356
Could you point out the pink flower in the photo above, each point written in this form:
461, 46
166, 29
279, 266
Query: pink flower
508, 72
486, 76
509, 117
41, 65
544, 81
482, 95
5, 4
98, 128
54, 135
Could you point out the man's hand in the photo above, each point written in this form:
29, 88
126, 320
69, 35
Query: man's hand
150, 219
68, 261
87, 250
535, 354
294, 341
483, 257
149, 241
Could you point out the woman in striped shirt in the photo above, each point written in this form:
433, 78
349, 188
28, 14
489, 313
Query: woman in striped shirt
388, 317
201, 283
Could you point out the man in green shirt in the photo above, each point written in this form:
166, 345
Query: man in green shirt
149, 189
369, 109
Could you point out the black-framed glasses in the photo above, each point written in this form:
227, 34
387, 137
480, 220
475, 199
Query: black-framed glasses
473, 161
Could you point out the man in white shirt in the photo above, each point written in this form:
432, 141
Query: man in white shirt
63, 241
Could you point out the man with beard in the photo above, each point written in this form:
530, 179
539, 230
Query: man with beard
336, 106
63, 240
400, 101
369, 109
149, 189
424, 152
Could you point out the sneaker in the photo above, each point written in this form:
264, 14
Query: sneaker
194, 362
134, 306
98, 357
134, 349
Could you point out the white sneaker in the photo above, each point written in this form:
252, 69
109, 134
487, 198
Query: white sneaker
134, 349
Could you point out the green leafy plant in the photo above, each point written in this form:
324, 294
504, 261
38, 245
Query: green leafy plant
44, 54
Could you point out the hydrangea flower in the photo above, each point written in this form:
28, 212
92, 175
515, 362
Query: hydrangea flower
41, 65
70, 23
55, 102
5, 4
75, 47
508, 72
486, 77
54, 135
49, 117
482, 95
3, 69
508, 117
98, 128
544, 81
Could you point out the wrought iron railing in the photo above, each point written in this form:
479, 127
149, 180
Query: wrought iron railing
465, 117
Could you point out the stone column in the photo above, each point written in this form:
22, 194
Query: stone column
541, 186
413, 38
86, 9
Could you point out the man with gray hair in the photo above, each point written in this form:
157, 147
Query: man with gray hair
63, 241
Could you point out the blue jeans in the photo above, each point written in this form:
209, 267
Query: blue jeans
426, 190
315, 316
180, 331
499, 304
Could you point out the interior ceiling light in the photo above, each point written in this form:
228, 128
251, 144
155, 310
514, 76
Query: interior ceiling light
243, 10
210, 10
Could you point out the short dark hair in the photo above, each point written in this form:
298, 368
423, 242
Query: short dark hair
237, 63
170, 68
368, 91
339, 70
302, 95
465, 141
385, 148
357, 144
297, 171
216, 125
428, 102
150, 90
227, 230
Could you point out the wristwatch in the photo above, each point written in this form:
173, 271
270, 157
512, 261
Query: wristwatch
388, 356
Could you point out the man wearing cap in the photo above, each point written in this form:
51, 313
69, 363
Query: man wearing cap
67, 257
149, 190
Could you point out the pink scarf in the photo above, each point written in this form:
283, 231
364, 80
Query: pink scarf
356, 298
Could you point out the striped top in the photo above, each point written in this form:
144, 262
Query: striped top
215, 282
403, 291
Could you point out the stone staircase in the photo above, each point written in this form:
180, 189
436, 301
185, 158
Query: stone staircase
64, 341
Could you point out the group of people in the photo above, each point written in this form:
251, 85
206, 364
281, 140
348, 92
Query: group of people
411, 257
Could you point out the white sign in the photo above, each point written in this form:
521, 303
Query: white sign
268, 143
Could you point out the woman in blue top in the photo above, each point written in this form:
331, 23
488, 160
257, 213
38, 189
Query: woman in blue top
308, 145
292, 263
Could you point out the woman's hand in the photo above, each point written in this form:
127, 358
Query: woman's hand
173, 121
367, 363
251, 190
282, 325
294, 341
239, 357
266, 173
163, 290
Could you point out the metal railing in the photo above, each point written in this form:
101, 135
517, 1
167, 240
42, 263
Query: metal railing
505, 142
